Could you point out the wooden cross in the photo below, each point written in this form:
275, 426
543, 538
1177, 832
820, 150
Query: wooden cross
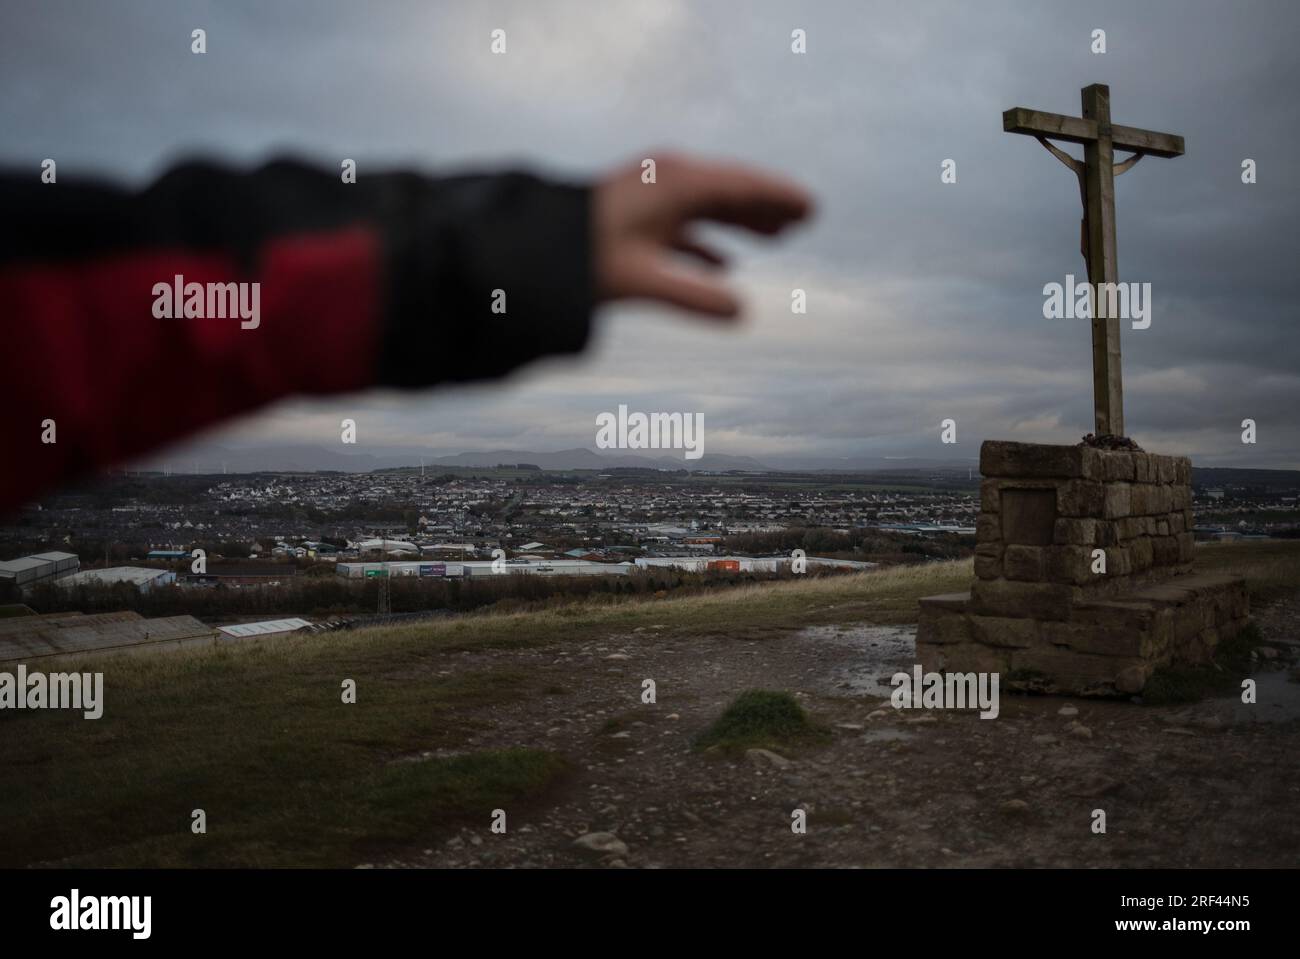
1097, 172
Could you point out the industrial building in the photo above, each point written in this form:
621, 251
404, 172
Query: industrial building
584, 567
43, 567
24, 638
271, 627
142, 578
742, 564
386, 546
479, 568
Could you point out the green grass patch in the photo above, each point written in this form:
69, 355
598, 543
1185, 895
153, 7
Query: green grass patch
256, 737
1271, 568
409, 797
760, 718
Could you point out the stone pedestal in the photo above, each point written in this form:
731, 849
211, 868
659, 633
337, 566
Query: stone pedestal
1043, 611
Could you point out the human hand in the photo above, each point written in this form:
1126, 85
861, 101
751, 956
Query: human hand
638, 226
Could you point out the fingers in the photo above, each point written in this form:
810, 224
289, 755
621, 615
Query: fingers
701, 252
738, 195
689, 291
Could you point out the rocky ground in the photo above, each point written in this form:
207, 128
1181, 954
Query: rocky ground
1214, 784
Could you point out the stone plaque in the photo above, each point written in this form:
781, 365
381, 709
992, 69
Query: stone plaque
1028, 517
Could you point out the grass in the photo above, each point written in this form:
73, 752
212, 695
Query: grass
261, 741
760, 718
409, 797
1271, 568
256, 734
883, 596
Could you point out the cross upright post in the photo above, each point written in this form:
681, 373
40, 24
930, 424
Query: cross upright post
1096, 173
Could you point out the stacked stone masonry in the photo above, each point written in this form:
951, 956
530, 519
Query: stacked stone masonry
1083, 564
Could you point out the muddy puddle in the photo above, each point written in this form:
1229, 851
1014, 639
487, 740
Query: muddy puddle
1277, 700
879, 652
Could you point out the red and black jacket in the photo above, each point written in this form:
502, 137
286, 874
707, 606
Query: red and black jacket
386, 281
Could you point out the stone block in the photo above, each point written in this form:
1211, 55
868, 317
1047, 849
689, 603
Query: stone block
1118, 500
1070, 564
1023, 460
1132, 679
990, 496
1167, 470
1143, 553
988, 567
1007, 631
1130, 527
1076, 532
963, 658
1116, 465
1040, 600
1186, 544
1081, 498
1071, 672
1025, 563
1118, 640
988, 529
942, 627
1119, 561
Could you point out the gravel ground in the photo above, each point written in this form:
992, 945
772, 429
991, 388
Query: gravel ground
1215, 784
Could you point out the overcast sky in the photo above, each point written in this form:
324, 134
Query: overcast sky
924, 299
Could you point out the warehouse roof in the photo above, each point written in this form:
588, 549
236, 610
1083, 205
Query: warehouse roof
136, 575
264, 628
61, 634
25, 562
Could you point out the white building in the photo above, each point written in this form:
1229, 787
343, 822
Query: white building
43, 567
270, 627
142, 578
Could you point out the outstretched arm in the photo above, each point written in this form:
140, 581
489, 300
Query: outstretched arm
386, 281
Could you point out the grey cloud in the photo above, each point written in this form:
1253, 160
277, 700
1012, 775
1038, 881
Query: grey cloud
925, 299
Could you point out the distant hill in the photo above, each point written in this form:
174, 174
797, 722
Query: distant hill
207, 458
1232, 476
580, 458
304, 458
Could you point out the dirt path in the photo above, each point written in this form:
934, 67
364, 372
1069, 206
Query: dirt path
1217, 784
